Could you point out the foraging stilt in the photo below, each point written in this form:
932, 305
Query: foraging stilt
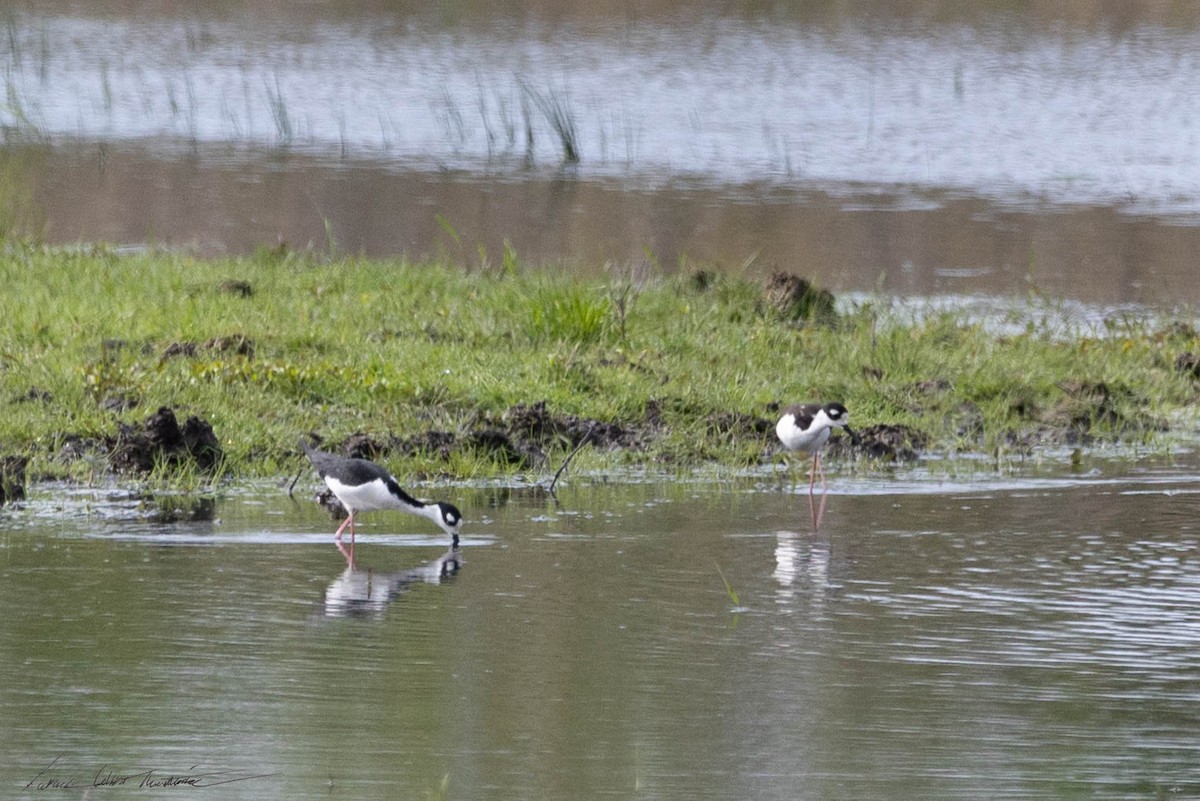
364, 486
806, 427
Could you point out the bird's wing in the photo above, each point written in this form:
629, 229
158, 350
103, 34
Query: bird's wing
803, 414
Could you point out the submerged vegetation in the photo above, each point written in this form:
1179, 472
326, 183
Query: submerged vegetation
447, 370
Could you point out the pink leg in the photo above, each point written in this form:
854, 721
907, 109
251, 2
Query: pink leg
349, 521
816, 468
348, 553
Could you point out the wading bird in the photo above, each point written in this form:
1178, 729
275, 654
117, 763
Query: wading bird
364, 486
806, 427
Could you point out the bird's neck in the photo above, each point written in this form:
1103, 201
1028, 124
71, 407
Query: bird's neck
426, 510
433, 512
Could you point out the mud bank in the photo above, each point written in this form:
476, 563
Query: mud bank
532, 436
527, 435
158, 442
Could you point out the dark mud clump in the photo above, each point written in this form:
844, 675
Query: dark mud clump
504, 449
34, 395
797, 300
184, 349
12, 478
362, 446
117, 402
433, 443
525, 433
521, 437
229, 344
1090, 407
1085, 404
175, 508
329, 502
883, 441
702, 280
237, 344
161, 440
237, 287
1188, 364
735, 425
535, 424
75, 447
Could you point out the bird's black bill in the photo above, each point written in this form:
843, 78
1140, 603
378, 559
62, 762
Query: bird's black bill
854, 438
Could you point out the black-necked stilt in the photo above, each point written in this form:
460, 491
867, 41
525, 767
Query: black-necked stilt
364, 486
806, 427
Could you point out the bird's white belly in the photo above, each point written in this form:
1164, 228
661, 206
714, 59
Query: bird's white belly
363, 497
796, 439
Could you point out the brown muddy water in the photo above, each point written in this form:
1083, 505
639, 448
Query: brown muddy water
978, 636
926, 148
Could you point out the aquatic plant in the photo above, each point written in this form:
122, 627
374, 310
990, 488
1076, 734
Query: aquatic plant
284, 128
729, 591
20, 124
559, 115
439, 792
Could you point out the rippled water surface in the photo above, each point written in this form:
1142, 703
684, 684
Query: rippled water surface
921, 148
999, 105
966, 638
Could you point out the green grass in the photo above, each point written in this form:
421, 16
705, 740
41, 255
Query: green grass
343, 344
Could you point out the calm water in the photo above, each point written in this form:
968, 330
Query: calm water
921, 148
932, 638
998, 105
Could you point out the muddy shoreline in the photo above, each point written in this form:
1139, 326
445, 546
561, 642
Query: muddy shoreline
535, 437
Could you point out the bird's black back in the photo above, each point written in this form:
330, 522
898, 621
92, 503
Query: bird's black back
348, 471
803, 413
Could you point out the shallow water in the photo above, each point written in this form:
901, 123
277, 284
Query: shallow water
918, 148
997, 105
945, 637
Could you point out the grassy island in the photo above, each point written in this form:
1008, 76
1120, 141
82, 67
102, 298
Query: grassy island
441, 369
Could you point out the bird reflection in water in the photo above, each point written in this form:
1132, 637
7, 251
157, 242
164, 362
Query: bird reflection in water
803, 556
800, 558
364, 591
